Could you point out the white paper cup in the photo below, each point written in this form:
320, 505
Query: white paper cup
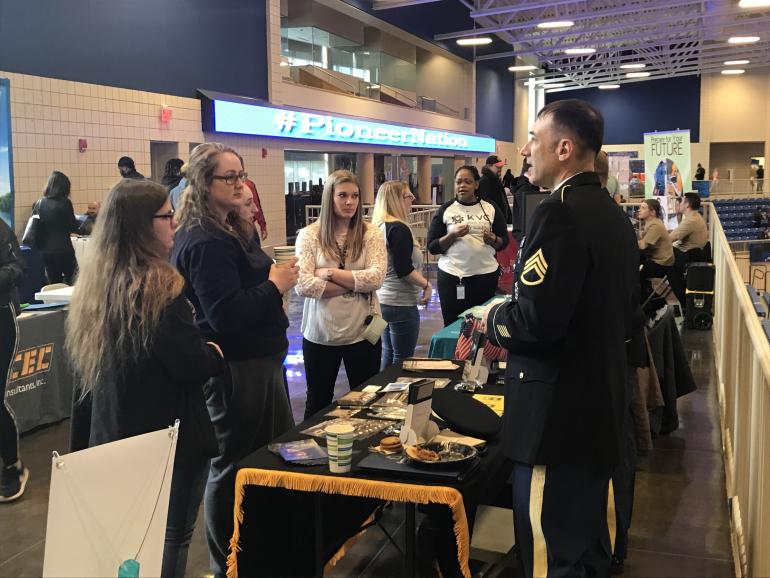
339, 445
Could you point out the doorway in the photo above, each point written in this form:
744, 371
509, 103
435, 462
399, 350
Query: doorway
160, 153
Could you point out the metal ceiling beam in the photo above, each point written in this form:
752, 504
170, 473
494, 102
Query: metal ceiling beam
521, 7
388, 4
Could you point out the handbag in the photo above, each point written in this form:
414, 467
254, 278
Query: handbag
33, 232
375, 325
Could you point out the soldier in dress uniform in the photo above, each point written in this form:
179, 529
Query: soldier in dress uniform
565, 329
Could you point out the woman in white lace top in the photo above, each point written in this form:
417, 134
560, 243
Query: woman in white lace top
342, 262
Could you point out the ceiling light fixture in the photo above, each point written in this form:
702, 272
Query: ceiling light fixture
608, 86
477, 41
580, 51
633, 66
637, 74
554, 85
736, 62
522, 68
284, 63
556, 24
743, 39
754, 3
374, 86
732, 71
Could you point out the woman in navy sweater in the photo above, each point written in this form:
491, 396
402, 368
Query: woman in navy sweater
236, 290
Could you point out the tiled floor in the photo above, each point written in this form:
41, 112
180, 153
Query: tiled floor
680, 526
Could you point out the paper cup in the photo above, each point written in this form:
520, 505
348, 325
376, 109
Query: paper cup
339, 446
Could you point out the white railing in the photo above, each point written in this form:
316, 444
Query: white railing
742, 355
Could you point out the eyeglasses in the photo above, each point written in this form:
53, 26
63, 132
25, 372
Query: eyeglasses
409, 197
168, 216
231, 179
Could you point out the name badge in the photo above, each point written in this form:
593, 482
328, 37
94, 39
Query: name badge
461, 291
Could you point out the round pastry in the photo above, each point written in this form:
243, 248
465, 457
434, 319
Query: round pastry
390, 444
422, 454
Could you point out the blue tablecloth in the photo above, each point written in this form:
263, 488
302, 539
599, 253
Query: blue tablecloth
443, 342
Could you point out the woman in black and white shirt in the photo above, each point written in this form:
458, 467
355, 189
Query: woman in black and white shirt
466, 232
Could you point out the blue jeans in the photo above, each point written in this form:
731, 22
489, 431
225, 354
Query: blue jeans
400, 336
187, 486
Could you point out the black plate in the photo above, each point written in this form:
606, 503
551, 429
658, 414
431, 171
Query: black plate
450, 454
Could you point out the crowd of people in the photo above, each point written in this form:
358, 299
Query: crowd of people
179, 315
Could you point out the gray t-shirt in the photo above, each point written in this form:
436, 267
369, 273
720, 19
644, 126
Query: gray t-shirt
404, 256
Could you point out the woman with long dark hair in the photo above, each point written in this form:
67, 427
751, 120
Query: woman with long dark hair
136, 350
57, 222
467, 232
342, 262
237, 293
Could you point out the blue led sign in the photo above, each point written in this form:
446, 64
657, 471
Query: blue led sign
240, 118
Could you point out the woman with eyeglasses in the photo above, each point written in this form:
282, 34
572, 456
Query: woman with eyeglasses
467, 232
342, 263
405, 286
137, 353
237, 293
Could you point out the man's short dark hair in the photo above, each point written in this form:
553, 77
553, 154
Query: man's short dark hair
582, 121
694, 200
126, 162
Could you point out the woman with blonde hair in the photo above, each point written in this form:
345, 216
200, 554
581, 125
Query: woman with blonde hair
136, 350
342, 263
237, 294
400, 292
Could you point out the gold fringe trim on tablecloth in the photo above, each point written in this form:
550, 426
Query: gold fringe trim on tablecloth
356, 487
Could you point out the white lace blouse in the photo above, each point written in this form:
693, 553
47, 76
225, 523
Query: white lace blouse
338, 320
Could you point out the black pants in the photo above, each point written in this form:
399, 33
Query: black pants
60, 267
570, 504
478, 289
322, 363
624, 474
9, 435
649, 270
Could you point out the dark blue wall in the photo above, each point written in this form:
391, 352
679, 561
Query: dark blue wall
494, 99
640, 107
167, 46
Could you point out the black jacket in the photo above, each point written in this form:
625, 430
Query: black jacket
11, 269
491, 189
57, 221
163, 386
574, 306
237, 306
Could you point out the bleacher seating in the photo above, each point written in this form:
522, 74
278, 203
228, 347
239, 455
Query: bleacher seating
737, 217
756, 301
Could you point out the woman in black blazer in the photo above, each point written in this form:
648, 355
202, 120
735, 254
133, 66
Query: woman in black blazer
57, 221
137, 352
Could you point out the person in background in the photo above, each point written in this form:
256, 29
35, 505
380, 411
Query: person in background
467, 232
342, 263
508, 180
609, 183
57, 222
15, 474
491, 187
260, 215
141, 360
173, 173
87, 226
691, 235
404, 287
237, 294
655, 244
128, 169
760, 178
175, 194
700, 173
757, 217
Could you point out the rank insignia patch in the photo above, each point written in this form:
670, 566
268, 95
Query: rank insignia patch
534, 269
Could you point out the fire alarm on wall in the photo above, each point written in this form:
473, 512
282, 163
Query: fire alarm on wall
165, 114
82, 145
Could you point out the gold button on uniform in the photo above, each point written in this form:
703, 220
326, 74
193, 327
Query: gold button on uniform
521, 375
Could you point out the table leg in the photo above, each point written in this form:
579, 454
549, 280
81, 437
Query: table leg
319, 539
410, 530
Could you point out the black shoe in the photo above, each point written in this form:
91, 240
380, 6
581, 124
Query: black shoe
13, 483
617, 566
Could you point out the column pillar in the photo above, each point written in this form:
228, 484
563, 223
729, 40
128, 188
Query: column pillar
365, 174
423, 180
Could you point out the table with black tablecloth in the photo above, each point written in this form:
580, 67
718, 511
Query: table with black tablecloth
293, 520
39, 390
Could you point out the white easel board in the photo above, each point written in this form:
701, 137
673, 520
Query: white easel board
107, 504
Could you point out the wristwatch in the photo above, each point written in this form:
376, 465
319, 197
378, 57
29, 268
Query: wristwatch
329, 273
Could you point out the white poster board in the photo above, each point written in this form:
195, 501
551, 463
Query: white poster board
667, 170
109, 504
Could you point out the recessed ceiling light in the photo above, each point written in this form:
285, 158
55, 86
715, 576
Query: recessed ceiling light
754, 3
374, 86
553, 85
608, 86
478, 41
556, 24
580, 51
733, 71
736, 62
743, 39
637, 74
522, 68
633, 66
284, 63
